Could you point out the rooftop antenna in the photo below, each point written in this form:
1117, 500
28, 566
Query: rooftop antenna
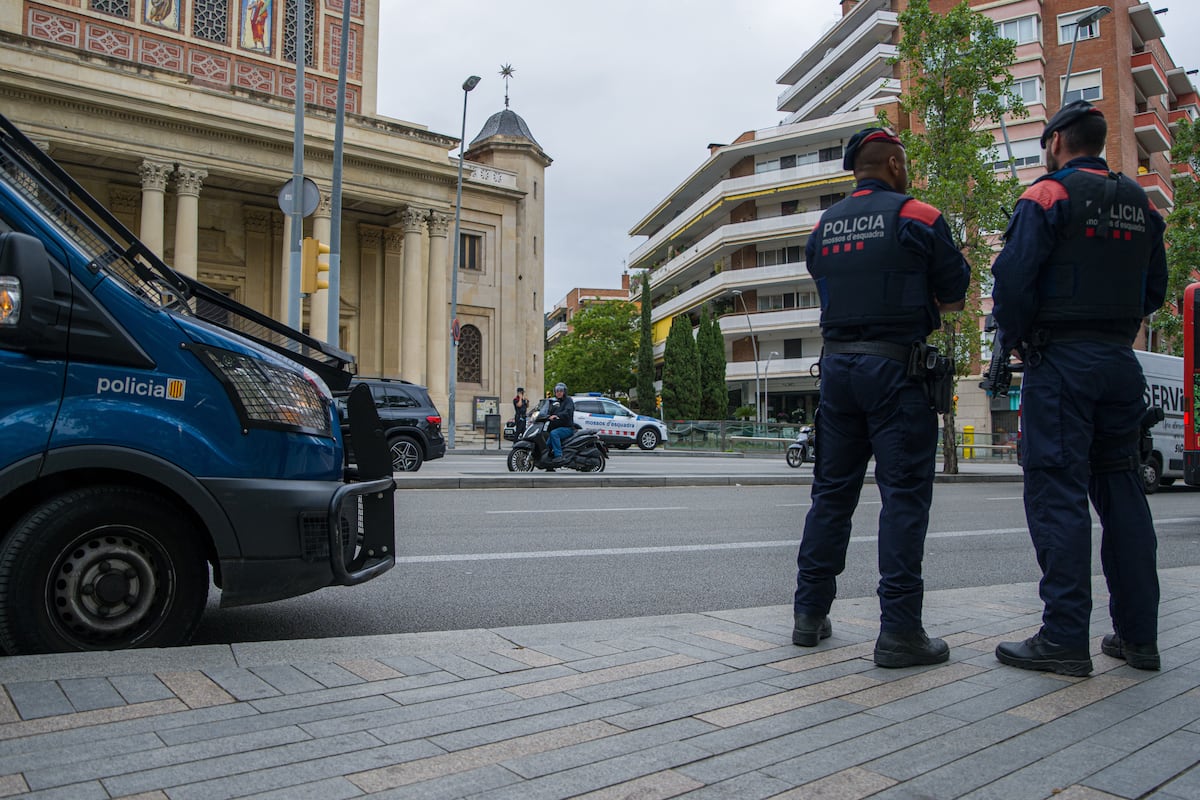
506, 72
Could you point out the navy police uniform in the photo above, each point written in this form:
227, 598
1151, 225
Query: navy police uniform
1082, 265
880, 259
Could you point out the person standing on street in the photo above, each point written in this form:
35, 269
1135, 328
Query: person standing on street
562, 422
886, 265
520, 411
1083, 263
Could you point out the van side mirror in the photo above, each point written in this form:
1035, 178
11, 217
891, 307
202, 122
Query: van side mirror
27, 306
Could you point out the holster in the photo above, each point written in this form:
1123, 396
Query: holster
937, 371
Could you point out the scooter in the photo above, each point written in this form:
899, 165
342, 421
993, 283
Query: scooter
804, 448
584, 452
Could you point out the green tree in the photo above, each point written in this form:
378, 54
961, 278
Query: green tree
1183, 237
710, 351
645, 358
597, 354
681, 372
955, 69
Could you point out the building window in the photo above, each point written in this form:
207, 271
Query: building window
1025, 153
827, 200
1066, 27
210, 20
1022, 30
289, 32
788, 207
784, 255
1083, 86
831, 153
118, 8
470, 355
470, 252
1028, 89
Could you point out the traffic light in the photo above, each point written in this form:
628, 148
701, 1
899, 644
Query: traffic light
311, 265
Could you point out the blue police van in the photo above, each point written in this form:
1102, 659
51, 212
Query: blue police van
153, 430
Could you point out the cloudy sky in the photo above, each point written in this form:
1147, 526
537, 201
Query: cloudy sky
624, 95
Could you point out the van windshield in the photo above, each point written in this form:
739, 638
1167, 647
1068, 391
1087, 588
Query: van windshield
52, 200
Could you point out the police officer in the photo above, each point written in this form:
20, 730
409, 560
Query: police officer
1083, 264
520, 411
885, 266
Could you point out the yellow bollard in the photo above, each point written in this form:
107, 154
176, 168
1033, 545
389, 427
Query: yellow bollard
968, 440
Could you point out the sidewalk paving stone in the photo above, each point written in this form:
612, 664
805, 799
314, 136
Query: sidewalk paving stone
707, 705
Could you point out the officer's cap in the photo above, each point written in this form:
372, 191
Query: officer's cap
520, 388
1067, 116
863, 137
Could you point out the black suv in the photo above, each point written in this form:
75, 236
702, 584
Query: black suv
412, 425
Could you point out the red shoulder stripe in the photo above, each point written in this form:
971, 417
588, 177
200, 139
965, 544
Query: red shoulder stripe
921, 212
1045, 193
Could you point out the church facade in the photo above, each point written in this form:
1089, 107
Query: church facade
179, 116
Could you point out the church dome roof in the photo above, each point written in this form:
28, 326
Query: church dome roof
506, 123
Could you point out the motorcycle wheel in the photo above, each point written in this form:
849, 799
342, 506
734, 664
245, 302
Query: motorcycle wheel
597, 467
795, 457
520, 460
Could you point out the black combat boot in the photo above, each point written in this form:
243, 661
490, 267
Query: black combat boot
810, 629
1039, 653
909, 649
1138, 656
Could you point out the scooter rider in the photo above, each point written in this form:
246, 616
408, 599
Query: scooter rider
562, 422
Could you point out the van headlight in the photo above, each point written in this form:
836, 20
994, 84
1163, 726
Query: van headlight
267, 395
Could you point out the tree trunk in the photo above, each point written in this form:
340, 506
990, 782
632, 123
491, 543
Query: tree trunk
949, 445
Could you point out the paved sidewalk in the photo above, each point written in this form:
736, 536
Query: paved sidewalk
693, 705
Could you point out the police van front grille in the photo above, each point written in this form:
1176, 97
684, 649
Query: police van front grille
314, 531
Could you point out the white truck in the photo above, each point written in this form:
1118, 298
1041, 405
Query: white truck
1164, 388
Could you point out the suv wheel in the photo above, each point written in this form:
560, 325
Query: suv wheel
647, 438
406, 454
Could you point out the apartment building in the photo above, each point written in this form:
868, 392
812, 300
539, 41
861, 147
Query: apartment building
732, 234
558, 319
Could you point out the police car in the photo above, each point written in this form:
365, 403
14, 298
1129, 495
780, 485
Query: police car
615, 424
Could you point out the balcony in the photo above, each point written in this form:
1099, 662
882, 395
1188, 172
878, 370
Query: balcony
556, 332
1148, 75
1179, 115
1145, 23
826, 58
787, 320
727, 238
722, 284
836, 89
781, 368
735, 190
1151, 133
1158, 189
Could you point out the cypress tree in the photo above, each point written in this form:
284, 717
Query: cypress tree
645, 358
710, 347
681, 372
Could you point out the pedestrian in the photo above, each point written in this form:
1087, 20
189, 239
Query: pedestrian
520, 411
885, 265
1083, 263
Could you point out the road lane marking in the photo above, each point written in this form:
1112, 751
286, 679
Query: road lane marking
695, 548
586, 510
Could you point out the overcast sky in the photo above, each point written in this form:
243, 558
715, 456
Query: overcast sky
624, 95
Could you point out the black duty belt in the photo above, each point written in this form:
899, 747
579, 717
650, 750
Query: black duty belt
1048, 335
897, 352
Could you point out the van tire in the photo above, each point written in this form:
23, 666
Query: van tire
1151, 474
406, 454
66, 563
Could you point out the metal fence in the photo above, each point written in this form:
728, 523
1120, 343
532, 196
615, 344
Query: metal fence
774, 437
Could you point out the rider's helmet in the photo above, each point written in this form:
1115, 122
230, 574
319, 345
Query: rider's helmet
560, 387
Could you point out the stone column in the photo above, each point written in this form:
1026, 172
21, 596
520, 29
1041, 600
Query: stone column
154, 175
438, 310
370, 300
187, 191
318, 302
259, 262
412, 342
393, 301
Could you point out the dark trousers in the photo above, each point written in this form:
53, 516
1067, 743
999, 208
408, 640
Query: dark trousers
1083, 403
869, 406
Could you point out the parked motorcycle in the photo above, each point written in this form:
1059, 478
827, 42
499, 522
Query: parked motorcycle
583, 451
804, 448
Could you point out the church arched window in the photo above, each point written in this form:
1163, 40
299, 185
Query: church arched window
470, 355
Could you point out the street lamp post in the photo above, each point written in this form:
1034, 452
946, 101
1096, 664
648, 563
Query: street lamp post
767, 377
753, 344
1093, 14
469, 84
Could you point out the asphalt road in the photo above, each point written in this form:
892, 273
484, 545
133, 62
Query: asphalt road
474, 558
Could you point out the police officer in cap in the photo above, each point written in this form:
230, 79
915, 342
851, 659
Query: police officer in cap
1082, 265
885, 266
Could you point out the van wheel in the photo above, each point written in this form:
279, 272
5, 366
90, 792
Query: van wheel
101, 568
406, 454
647, 438
1151, 473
